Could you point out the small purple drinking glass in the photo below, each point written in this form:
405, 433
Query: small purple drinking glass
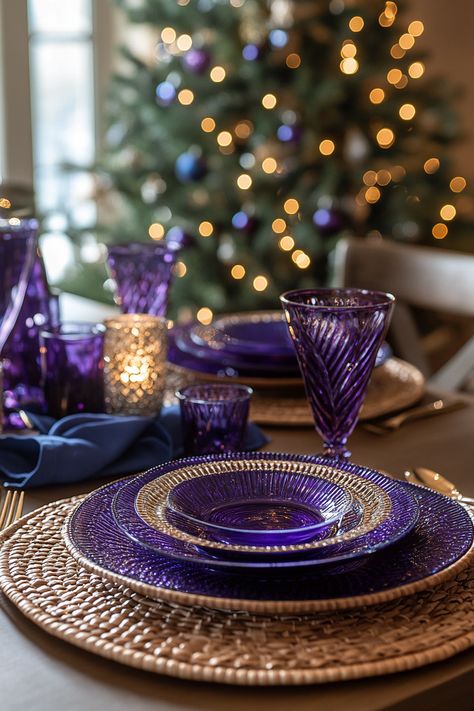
72, 368
214, 417
336, 334
142, 272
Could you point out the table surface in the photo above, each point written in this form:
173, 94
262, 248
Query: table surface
40, 673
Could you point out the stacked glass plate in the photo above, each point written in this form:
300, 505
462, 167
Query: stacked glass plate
248, 530
253, 345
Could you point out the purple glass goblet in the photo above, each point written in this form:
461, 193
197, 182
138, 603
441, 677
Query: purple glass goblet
214, 417
72, 368
142, 272
336, 334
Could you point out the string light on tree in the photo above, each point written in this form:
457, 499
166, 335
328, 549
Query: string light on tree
206, 228
394, 76
416, 28
406, 41
416, 70
327, 147
293, 61
156, 231
377, 95
458, 184
291, 206
260, 283
407, 112
217, 74
238, 271
349, 65
185, 97
208, 124
286, 243
244, 181
184, 42
431, 166
278, 225
204, 316
439, 230
385, 137
269, 165
269, 101
447, 212
356, 24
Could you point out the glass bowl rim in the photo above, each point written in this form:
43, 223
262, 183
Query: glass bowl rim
348, 504
245, 390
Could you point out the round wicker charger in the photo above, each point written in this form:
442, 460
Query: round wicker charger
41, 578
395, 385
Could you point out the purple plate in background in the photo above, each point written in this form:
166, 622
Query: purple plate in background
255, 508
442, 535
186, 354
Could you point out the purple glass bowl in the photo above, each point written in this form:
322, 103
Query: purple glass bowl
260, 508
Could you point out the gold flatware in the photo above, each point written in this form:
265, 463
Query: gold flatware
436, 481
391, 424
12, 508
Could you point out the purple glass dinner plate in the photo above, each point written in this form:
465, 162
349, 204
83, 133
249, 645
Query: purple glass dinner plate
442, 536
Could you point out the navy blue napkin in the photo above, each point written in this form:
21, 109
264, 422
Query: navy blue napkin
80, 447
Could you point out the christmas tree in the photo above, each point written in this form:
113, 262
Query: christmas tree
260, 131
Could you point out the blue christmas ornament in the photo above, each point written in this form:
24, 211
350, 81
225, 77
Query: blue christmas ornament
165, 93
289, 134
190, 168
251, 52
278, 38
243, 222
176, 236
328, 221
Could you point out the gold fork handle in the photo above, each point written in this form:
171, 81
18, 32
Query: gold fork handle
417, 413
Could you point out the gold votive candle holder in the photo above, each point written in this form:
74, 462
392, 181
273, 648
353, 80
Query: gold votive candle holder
135, 351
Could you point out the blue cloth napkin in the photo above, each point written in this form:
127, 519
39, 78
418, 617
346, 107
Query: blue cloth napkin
80, 447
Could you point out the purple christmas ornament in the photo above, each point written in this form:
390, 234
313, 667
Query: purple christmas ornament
328, 221
196, 61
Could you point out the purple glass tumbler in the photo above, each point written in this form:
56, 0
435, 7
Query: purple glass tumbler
142, 272
214, 417
72, 368
336, 334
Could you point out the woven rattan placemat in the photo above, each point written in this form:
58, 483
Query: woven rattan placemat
41, 578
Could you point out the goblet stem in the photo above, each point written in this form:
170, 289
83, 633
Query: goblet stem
336, 449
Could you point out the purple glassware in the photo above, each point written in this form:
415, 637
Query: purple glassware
142, 272
72, 368
17, 254
337, 334
402, 517
214, 417
260, 508
442, 535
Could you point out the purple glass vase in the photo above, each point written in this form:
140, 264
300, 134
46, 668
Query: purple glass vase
72, 368
214, 417
336, 334
142, 272
17, 253
21, 356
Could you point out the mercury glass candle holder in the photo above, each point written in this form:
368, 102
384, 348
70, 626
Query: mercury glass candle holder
135, 351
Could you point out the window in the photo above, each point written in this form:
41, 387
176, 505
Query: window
56, 57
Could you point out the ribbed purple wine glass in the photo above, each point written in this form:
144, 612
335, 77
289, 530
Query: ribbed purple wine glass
143, 273
336, 334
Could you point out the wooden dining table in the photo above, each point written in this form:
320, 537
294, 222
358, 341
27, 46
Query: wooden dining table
41, 673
